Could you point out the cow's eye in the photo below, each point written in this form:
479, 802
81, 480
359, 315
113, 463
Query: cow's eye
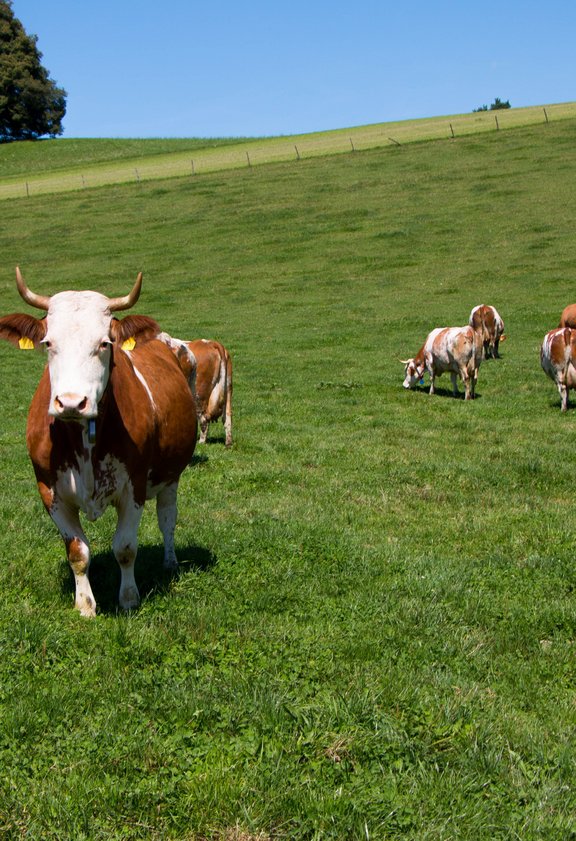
105, 344
46, 343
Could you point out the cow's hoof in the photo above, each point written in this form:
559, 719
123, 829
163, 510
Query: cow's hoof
86, 606
129, 598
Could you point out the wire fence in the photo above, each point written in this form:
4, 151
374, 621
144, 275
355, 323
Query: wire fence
280, 149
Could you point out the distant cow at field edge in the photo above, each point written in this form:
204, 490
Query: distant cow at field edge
208, 368
568, 317
487, 320
454, 349
557, 357
109, 424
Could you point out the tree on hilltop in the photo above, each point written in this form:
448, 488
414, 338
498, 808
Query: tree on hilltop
31, 103
497, 105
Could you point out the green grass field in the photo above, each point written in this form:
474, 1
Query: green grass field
372, 634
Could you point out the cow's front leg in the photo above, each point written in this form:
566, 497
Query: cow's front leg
78, 553
166, 511
125, 547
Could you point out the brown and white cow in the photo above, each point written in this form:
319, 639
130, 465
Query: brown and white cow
487, 320
109, 424
568, 317
208, 367
558, 359
454, 349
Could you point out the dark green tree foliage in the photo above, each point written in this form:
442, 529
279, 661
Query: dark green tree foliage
31, 104
497, 105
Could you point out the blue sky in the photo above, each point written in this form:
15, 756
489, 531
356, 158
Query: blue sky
182, 68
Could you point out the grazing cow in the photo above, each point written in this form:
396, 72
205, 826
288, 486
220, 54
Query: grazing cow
568, 317
109, 424
558, 358
486, 319
208, 367
454, 349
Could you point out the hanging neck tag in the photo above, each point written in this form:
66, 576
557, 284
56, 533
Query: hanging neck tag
92, 430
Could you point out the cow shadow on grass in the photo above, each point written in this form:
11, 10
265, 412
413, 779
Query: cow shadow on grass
151, 577
443, 391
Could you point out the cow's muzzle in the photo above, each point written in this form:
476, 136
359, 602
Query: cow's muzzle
72, 407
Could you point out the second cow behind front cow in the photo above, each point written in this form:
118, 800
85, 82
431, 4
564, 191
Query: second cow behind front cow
208, 369
454, 349
487, 320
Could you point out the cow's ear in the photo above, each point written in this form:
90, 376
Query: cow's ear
22, 330
140, 328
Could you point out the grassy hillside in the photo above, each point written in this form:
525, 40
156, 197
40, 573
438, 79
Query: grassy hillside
372, 635
55, 166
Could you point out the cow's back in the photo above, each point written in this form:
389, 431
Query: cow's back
568, 317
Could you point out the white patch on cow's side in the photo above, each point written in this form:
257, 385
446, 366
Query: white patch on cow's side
146, 386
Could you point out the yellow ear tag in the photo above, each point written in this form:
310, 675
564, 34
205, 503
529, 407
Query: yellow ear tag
25, 343
129, 344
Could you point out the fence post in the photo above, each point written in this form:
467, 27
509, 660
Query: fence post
297, 152
546, 115
27, 191
137, 175
451, 129
497, 126
352, 144
192, 162
248, 159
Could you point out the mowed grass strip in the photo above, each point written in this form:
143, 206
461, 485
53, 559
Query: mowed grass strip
372, 635
63, 165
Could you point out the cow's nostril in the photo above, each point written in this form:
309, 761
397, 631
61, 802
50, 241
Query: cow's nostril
70, 404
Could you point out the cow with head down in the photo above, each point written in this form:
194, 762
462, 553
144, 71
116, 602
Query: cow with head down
109, 424
454, 349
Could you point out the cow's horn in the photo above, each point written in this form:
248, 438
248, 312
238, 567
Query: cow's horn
41, 302
127, 301
404, 361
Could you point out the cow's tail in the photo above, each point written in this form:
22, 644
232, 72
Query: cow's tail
567, 336
477, 348
226, 381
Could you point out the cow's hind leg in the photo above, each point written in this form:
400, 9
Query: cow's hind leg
454, 378
125, 546
563, 391
166, 511
203, 423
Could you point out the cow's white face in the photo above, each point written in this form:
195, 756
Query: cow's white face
79, 348
412, 374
